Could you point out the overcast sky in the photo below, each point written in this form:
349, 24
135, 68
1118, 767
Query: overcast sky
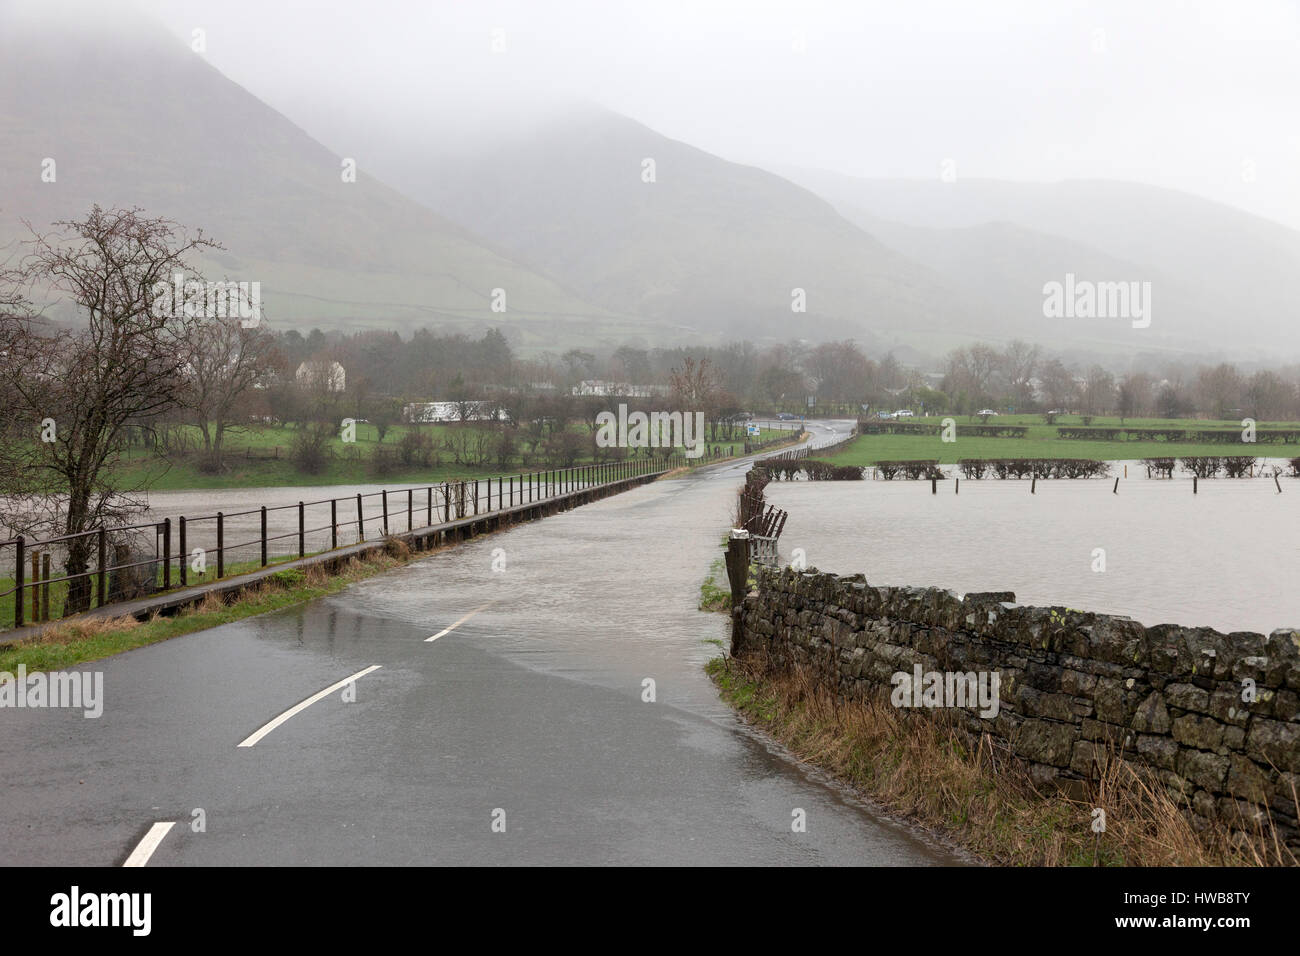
1195, 96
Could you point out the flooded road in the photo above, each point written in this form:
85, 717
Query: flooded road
1227, 557
512, 687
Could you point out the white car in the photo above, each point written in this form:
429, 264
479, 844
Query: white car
986, 411
904, 413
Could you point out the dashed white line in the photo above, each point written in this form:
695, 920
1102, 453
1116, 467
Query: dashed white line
456, 623
297, 708
140, 855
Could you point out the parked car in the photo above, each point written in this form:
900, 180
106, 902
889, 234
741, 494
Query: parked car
986, 411
904, 413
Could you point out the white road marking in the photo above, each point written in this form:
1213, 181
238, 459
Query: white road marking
140, 855
298, 708
461, 620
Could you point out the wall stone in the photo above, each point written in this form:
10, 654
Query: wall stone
1072, 684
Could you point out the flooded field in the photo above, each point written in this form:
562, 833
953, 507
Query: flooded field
1227, 557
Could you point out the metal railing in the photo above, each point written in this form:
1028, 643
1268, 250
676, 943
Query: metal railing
123, 569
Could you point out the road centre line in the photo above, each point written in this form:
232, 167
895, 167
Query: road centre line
297, 708
456, 623
144, 849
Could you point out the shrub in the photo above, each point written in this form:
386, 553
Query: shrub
1239, 466
310, 448
1202, 466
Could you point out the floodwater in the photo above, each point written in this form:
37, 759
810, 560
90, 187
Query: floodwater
1227, 557
554, 669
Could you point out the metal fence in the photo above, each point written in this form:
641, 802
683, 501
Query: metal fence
132, 561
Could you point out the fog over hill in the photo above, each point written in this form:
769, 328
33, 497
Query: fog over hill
131, 116
1218, 273
600, 228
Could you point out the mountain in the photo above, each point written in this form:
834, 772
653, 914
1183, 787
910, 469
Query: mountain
708, 245
131, 116
1217, 273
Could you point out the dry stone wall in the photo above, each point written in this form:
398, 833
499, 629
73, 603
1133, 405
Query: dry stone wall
1215, 717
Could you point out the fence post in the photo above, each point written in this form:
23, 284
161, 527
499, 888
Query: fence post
36, 586
263, 535
183, 554
221, 545
429, 518
384, 494
500, 500
103, 569
19, 597
45, 586
167, 554
302, 530
410, 509
334, 523
361, 526
737, 562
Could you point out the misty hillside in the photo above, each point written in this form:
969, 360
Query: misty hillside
1218, 274
709, 245
133, 117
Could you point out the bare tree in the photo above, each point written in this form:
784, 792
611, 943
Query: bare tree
225, 361
75, 390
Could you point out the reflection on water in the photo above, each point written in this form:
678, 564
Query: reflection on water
1227, 557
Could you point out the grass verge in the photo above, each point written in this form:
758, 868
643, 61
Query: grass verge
933, 775
75, 642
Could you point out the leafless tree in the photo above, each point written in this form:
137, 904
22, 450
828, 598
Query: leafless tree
225, 361
74, 390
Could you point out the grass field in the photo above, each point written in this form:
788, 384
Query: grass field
1042, 441
261, 458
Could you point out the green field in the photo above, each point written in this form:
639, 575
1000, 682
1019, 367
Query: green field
1042, 441
261, 457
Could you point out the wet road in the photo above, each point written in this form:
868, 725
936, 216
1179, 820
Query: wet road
528, 717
